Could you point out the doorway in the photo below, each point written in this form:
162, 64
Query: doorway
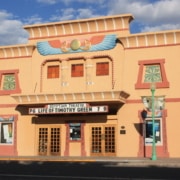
103, 140
49, 141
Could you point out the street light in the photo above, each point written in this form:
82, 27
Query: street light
154, 157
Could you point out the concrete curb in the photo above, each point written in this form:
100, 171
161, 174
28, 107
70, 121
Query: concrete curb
167, 162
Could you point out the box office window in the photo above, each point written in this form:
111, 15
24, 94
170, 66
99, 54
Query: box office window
77, 70
52, 72
102, 69
6, 134
149, 132
75, 131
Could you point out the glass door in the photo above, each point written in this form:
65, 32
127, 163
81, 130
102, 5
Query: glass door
103, 142
49, 141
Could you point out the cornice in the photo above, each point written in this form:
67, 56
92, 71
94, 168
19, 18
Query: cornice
77, 27
154, 39
18, 51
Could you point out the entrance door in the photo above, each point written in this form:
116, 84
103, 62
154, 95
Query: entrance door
49, 141
103, 140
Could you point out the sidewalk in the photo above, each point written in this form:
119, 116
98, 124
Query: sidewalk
168, 162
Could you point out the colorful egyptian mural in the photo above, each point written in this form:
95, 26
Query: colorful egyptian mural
95, 43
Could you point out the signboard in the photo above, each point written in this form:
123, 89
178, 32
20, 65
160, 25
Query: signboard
159, 103
68, 108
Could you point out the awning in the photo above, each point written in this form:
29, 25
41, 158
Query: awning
99, 97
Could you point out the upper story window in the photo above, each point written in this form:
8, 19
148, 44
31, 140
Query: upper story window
77, 70
52, 72
151, 71
102, 69
9, 82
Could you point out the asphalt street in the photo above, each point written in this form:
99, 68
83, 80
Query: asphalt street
21, 170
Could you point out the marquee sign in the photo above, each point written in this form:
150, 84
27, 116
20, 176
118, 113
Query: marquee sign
68, 108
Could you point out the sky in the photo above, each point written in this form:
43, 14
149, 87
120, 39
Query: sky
149, 15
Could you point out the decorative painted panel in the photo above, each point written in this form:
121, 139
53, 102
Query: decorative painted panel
9, 82
159, 105
95, 43
152, 73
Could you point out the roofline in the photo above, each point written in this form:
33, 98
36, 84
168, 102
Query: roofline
79, 20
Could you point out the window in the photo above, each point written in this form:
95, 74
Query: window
151, 71
102, 69
77, 70
6, 133
53, 72
8, 82
75, 131
6, 130
149, 132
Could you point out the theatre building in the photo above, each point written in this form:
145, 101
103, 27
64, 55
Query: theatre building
90, 88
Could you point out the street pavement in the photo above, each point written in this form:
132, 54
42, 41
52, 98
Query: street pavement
89, 168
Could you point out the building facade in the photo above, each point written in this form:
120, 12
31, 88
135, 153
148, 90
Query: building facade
83, 88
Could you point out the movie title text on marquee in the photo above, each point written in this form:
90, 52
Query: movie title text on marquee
68, 108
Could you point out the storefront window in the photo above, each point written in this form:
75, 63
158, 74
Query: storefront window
75, 131
149, 132
6, 133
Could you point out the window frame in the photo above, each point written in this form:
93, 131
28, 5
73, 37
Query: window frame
140, 84
3, 82
17, 87
55, 72
72, 132
5, 121
77, 70
146, 139
100, 71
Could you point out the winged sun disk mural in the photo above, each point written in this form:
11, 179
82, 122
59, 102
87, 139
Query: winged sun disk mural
95, 43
